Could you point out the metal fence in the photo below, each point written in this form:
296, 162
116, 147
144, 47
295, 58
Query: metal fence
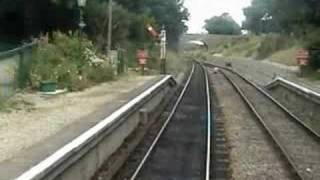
14, 67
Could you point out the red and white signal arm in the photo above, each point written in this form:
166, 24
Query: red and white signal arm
303, 57
152, 31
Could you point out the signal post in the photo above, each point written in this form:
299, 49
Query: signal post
162, 37
163, 50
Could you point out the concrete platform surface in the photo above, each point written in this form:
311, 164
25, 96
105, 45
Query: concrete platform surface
32, 155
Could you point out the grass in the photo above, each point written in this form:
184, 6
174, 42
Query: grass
274, 47
213, 40
317, 76
176, 63
243, 48
13, 104
286, 57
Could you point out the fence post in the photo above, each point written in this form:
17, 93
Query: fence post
24, 66
20, 70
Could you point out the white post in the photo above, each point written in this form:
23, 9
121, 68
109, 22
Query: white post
163, 50
82, 24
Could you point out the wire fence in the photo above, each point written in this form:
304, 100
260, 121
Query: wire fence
14, 69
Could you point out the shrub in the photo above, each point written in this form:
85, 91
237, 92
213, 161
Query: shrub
100, 72
313, 45
46, 59
67, 60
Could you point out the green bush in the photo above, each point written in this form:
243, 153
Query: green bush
313, 45
67, 60
46, 60
101, 72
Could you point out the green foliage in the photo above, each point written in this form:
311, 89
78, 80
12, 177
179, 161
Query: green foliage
270, 44
176, 63
66, 61
223, 24
100, 72
23, 19
313, 45
294, 16
258, 17
20, 19
299, 18
96, 13
258, 47
286, 56
244, 47
45, 59
170, 13
137, 31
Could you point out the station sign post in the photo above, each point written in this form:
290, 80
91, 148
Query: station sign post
303, 57
142, 56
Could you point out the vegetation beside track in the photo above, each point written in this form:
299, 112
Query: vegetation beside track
274, 47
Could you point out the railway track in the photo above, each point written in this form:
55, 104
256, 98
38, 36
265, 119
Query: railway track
299, 145
182, 148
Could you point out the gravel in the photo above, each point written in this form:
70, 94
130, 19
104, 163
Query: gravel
303, 148
35, 117
263, 72
251, 152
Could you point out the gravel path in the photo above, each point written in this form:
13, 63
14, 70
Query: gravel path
37, 117
263, 72
302, 147
252, 154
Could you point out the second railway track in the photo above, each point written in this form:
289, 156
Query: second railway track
298, 144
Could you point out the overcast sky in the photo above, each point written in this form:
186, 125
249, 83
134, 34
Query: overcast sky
201, 10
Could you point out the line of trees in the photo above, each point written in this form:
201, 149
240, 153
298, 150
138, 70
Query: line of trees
223, 24
298, 18
21, 19
294, 16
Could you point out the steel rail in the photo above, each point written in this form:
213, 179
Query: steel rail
273, 137
209, 124
208, 153
208, 158
155, 141
296, 119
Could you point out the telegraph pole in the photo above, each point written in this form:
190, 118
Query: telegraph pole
110, 28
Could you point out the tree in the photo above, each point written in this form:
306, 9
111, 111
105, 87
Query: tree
170, 13
294, 16
223, 24
24, 18
96, 16
259, 17
20, 19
